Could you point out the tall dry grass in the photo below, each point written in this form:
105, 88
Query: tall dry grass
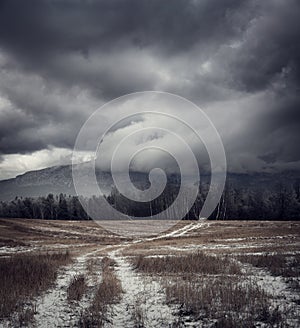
193, 263
76, 288
278, 264
210, 289
108, 292
25, 276
211, 297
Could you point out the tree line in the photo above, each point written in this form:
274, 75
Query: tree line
52, 207
279, 203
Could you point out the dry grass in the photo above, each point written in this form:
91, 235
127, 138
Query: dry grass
278, 264
17, 232
193, 263
110, 289
205, 283
207, 287
228, 237
77, 288
286, 266
23, 277
215, 295
228, 301
109, 292
93, 268
107, 264
8, 242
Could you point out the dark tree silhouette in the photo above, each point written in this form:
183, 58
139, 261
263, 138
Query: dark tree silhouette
277, 203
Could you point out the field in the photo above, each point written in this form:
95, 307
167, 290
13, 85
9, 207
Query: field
196, 274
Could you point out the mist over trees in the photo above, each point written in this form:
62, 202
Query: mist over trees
279, 203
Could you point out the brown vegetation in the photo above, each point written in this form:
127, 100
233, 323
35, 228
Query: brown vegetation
205, 285
215, 297
208, 287
197, 262
28, 232
92, 266
278, 264
109, 292
227, 237
76, 288
25, 276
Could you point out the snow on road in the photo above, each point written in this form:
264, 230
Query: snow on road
186, 229
143, 301
143, 297
179, 232
53, 309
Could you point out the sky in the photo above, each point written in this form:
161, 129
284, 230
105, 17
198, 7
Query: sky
237, 60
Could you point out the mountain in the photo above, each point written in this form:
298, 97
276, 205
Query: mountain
58, 179
36, 183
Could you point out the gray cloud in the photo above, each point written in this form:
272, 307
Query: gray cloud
36, 114
55, 26
238, 60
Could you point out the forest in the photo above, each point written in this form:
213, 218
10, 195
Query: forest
279, 203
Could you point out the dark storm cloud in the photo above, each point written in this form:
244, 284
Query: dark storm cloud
59, 60
13, 127
21, 133
269, 48
283, 124
60, 39
35, 115
53, 26
271, 134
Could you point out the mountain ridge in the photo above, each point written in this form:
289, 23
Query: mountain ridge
58, 179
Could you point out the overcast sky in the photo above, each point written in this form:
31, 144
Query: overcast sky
237, 60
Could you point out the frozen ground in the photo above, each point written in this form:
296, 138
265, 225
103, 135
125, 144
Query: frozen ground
283, 297
144, 297
52, 308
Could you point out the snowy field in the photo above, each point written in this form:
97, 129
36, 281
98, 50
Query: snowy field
196, 274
